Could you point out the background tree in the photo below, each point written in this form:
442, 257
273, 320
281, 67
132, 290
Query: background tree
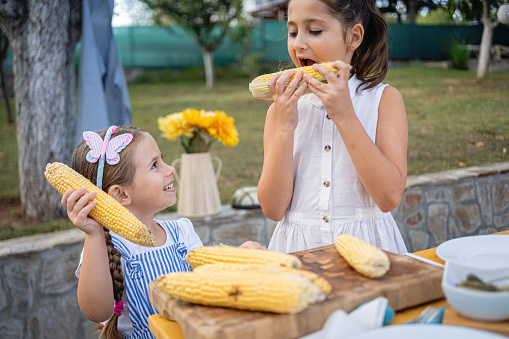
43, 36
208, 21
486, 11
410, 8
240, 35
438, 16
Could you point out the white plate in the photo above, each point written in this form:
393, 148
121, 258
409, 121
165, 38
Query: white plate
434, 331
486, 250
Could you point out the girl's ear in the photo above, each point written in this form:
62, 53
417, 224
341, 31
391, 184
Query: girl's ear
120, 194
355, 36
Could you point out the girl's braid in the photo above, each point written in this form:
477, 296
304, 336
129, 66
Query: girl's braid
109, 331
115, 267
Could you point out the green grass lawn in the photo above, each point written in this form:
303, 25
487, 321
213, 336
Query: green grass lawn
453, 122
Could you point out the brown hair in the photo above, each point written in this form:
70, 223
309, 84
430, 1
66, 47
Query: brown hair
370, 59
119, 174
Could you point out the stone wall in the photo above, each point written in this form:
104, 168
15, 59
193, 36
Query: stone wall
38, 286
446, 205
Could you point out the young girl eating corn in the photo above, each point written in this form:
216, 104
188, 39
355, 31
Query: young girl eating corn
114, 273
334, 159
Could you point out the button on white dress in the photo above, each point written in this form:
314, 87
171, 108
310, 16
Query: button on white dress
328, 196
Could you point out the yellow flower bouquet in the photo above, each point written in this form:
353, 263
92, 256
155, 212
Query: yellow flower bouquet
197, 129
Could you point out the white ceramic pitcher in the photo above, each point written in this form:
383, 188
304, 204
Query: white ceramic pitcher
198, 195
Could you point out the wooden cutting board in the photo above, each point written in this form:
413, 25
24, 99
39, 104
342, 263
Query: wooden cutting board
408, 283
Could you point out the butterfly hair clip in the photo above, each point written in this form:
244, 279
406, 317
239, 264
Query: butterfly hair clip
105, 149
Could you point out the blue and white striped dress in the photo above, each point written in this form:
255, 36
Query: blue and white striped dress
141, 265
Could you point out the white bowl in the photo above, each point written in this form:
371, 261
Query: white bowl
476, 304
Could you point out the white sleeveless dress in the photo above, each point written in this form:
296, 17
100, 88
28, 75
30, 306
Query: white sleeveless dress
328, 196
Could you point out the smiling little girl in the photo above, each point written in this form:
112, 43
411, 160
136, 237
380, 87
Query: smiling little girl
114, 274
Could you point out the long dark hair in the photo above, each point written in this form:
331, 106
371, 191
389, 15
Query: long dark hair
119, 174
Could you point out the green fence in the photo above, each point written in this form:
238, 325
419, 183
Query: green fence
431, 42
157, 47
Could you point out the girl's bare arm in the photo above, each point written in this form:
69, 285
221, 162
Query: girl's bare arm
95, 287
382, 167
275, 188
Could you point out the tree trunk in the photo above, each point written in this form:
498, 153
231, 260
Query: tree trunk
43, 41
487, 35
208, 61
399, 19
412, 11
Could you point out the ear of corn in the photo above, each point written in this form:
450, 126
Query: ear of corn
229, 254
108, 212
260, 89
269, 291
362, 256
310, 276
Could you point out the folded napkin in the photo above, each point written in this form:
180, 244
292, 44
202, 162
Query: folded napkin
342, 325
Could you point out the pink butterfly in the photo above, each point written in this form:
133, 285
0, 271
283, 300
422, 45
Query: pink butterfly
98, 147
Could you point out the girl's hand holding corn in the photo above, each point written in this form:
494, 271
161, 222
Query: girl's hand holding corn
260, 89
109, 213
334, 94
78, 205
285, 99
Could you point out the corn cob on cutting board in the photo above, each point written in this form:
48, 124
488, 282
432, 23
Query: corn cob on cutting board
407, 283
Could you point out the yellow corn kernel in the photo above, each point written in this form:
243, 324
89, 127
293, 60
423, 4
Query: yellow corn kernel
362, 256
260, 90
229, 254
108, 212
244, 290
310, 276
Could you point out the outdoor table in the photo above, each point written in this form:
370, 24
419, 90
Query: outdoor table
162, 328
